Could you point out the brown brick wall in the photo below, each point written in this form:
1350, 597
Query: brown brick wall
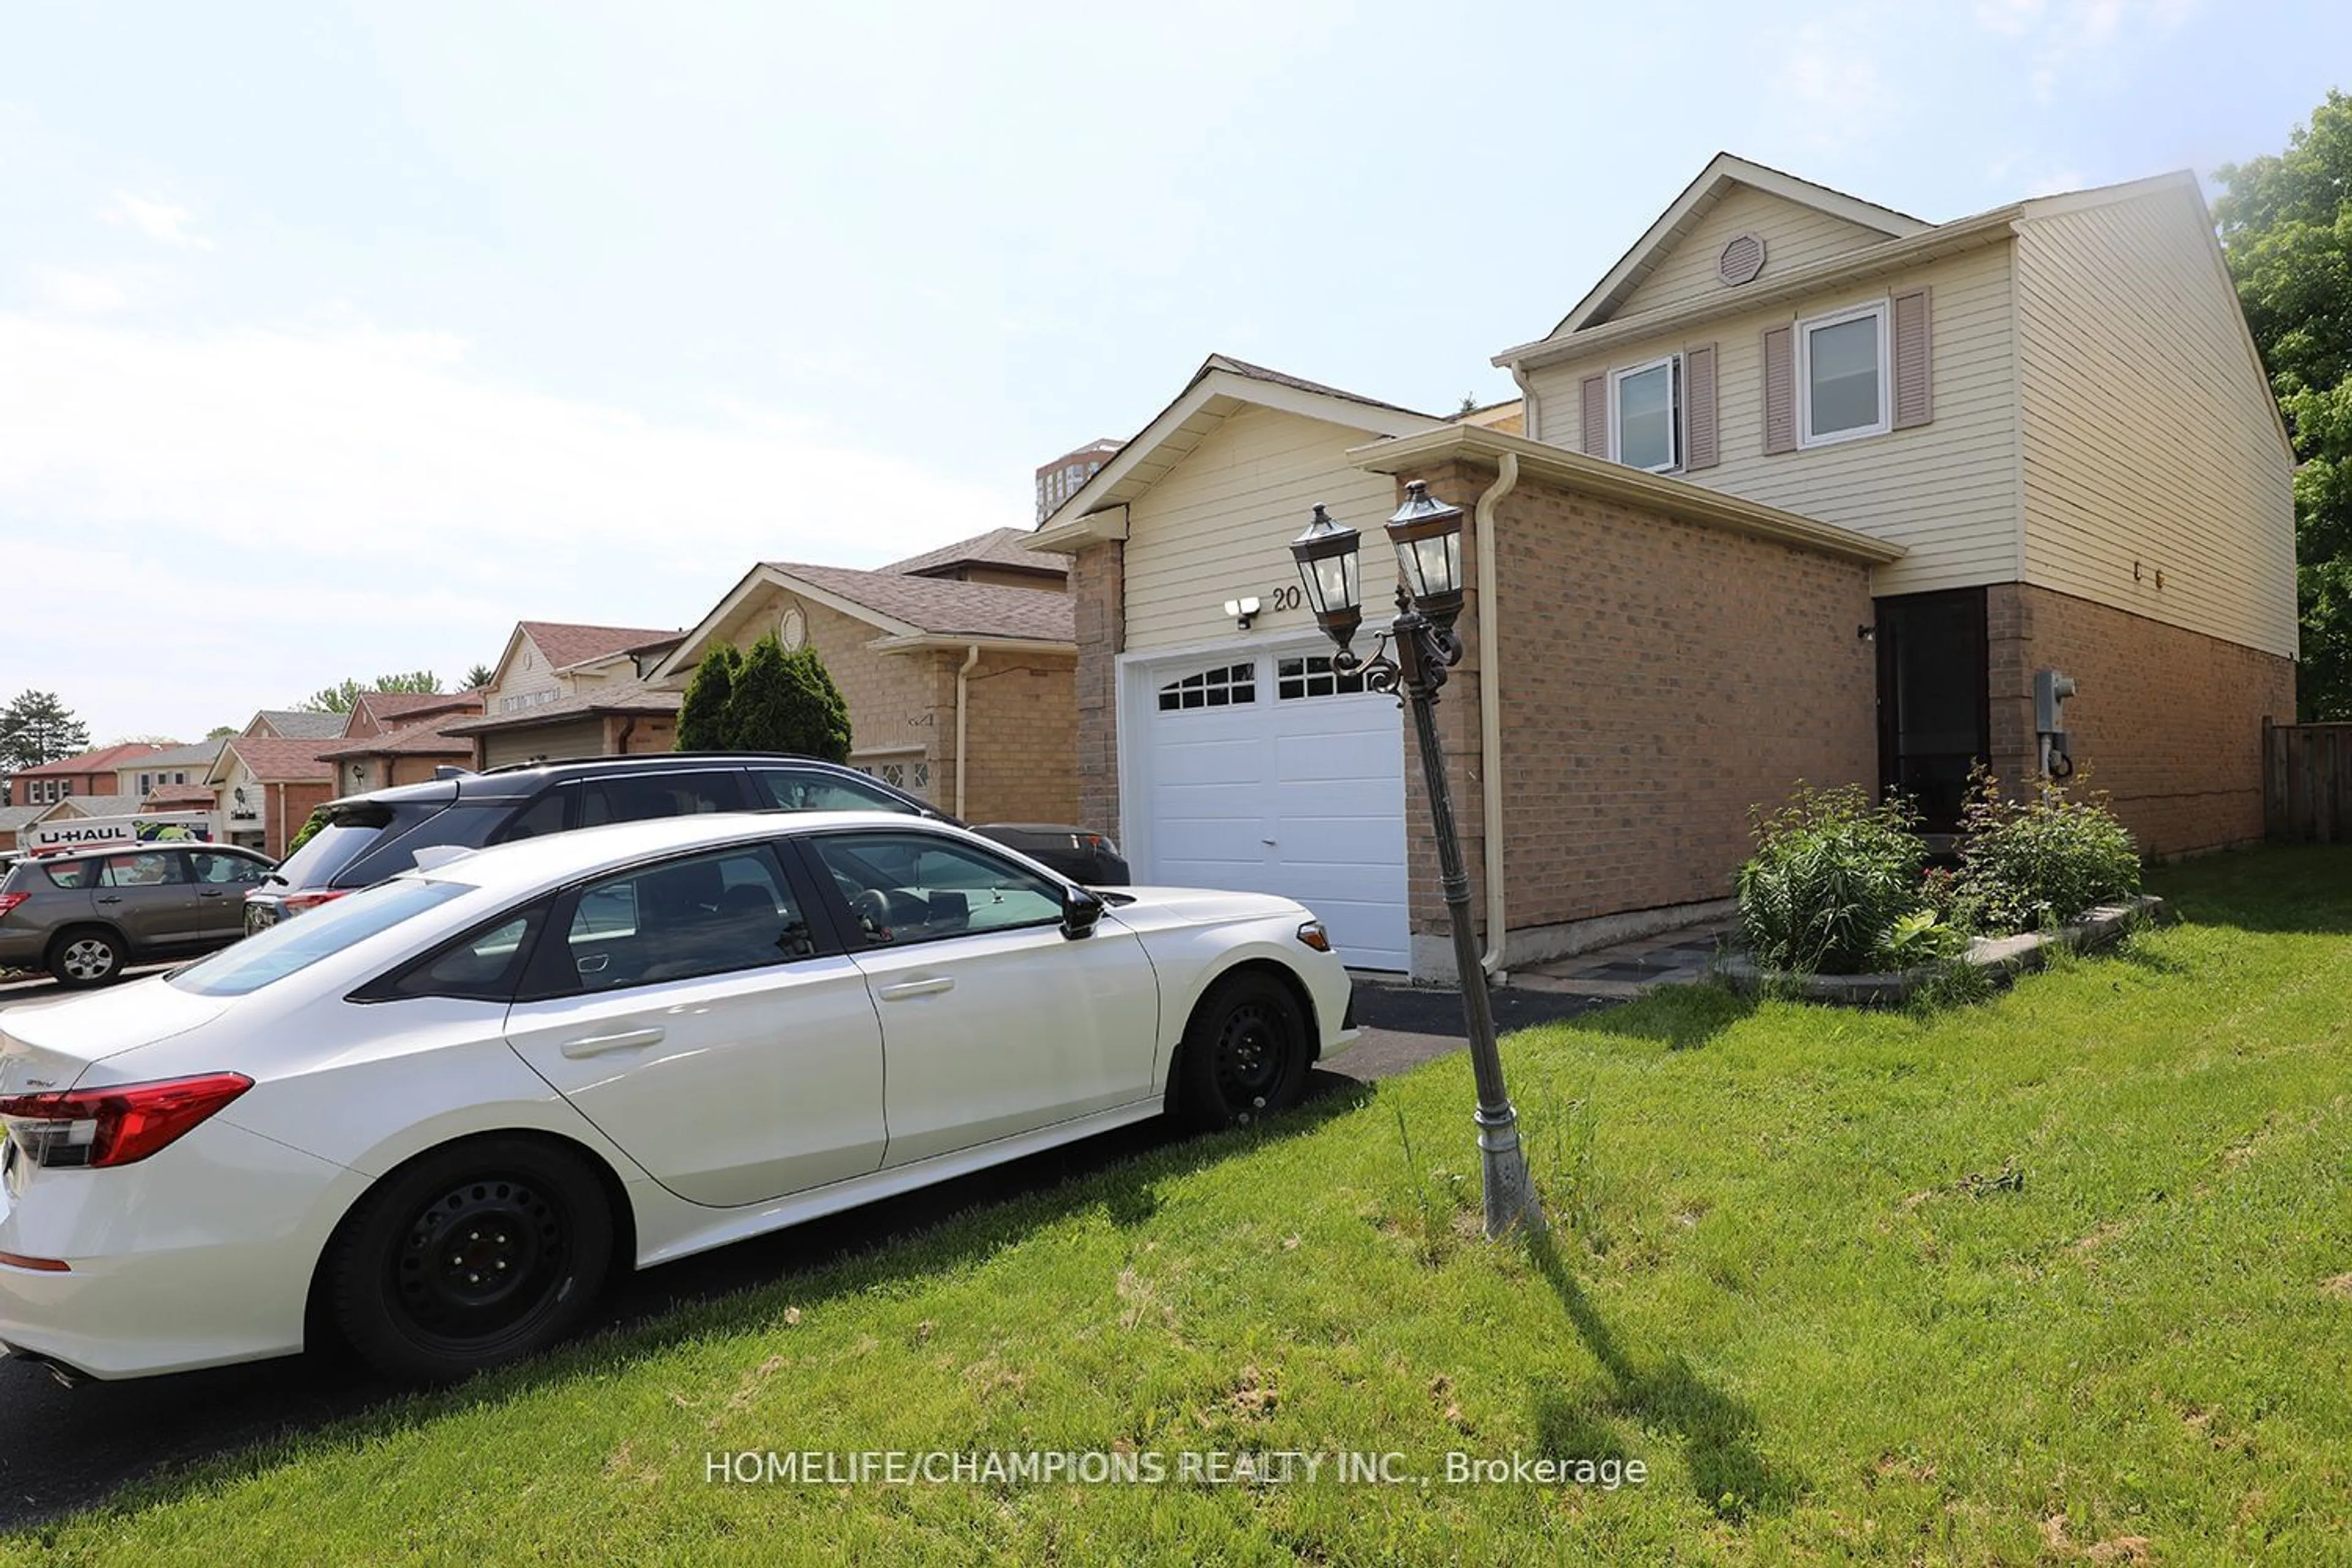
1022, 727
1660, 677
1098, 579
2166, 721
285, 808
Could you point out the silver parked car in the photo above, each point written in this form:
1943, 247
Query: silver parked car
84, 916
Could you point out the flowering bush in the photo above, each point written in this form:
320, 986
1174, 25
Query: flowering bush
1834, 886
2033, 864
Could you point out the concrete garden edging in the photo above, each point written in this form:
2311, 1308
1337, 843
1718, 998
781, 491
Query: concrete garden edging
2001, 958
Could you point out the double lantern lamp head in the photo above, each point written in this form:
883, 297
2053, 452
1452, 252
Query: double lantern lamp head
1427, 535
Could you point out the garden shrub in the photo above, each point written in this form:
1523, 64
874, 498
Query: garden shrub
2034, 863
1834, 887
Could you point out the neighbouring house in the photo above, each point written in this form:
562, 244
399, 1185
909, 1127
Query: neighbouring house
562, 689
295, 725
956, 666
173, 765
14, 819
267, 785
1806, 490
397, 738
90, 773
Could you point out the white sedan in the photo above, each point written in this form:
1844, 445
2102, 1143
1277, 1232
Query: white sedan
446, 1109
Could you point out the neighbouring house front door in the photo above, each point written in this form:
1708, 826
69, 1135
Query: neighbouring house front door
1934, 722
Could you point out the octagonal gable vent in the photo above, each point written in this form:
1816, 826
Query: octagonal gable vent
1742, 259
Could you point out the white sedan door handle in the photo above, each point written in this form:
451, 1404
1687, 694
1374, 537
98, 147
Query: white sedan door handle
597, 1045
900, 992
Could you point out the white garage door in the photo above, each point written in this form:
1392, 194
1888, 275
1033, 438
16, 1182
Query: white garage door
1267, 772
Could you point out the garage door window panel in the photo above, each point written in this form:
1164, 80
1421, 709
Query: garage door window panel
1220, 686
1296, 680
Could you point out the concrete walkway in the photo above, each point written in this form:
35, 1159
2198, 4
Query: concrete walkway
1634, 968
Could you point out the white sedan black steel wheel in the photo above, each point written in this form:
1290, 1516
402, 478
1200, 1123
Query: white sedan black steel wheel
1245, 1052
473, 1255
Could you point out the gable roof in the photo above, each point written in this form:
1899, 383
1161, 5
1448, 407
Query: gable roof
273, 760
564, 644
1220, 388
12, 817
1723, 172
104, 760
935, 606
425, 739
179, 794
907, 611
997, 547
114, 805
297, 724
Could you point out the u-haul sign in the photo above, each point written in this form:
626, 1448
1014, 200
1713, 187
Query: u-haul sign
97, 832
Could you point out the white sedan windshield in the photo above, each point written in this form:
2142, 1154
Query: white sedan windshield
296, 944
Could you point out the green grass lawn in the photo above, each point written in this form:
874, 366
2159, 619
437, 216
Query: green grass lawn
2064, 1276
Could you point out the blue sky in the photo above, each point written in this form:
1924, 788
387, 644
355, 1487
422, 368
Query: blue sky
335, 339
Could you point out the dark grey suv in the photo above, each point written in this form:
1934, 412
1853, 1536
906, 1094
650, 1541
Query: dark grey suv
84, 916
369, 837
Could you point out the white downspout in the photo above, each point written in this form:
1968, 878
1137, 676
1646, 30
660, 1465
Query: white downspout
1490, 708
970, 658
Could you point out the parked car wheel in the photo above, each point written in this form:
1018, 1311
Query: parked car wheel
473, 1255
1245, 1053
85, 956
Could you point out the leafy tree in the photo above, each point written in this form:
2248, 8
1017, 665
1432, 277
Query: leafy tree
220, 732
481, 675
786, 702
340, 699
703, 724
35, 729
2286, 226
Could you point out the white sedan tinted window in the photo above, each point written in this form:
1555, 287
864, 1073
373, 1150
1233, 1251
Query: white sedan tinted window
905, 887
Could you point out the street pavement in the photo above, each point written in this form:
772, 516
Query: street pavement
71, 1447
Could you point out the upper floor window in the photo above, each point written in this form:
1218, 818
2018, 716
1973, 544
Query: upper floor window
1841, 376
1645, 414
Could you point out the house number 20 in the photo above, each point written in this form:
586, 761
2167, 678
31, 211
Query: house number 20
1285, 598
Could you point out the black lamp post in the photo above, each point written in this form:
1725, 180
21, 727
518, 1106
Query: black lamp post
1428, 538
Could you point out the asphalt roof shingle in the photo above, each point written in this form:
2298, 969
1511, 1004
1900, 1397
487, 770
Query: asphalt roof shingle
428, 739
997, 547
106, 758
301, 724
563, 645
274, 760
942, 608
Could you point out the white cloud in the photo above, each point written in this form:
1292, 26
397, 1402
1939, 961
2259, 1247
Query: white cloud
79, 293
158, 220
2068, 40
260, 512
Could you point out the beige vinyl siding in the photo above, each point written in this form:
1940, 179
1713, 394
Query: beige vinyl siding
2125, 326
1946, 491
1219, 525
1794, 235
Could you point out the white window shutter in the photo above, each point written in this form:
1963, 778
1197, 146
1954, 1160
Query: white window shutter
1914, 379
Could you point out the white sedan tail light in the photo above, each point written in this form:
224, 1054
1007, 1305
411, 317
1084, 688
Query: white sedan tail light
92, 1128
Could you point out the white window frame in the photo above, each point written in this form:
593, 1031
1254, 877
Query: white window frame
1878, 310
1674, 367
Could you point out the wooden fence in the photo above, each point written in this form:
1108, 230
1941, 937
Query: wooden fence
2307, 782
